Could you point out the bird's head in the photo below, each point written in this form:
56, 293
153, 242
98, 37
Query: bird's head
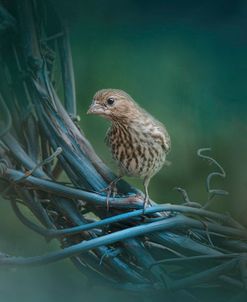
113, 104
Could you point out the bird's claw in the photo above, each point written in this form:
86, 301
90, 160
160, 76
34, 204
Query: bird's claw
146, 203
111, 190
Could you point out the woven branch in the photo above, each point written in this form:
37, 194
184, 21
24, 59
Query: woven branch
168, 247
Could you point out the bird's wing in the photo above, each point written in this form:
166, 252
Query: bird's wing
161, 136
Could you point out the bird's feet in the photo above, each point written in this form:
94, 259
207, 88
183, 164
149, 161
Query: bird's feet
146, 203
111, 190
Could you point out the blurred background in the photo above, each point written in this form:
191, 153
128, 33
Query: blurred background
186, 63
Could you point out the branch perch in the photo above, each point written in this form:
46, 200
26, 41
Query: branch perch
170, 247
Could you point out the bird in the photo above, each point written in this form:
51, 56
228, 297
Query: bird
138, 142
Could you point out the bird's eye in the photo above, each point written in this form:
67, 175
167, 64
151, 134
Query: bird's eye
110, 101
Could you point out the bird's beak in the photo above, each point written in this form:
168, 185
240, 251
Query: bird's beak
94, 108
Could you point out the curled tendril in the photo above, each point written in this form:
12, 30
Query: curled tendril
184, 194
211, 191
187, 201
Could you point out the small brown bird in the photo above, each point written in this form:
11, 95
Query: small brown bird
138, 142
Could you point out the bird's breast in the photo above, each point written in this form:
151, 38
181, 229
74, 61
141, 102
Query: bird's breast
138, 152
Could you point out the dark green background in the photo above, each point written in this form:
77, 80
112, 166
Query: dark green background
183, 61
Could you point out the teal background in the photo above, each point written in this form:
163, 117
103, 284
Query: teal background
183, 61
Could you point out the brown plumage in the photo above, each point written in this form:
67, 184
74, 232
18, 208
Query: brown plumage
138, 142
